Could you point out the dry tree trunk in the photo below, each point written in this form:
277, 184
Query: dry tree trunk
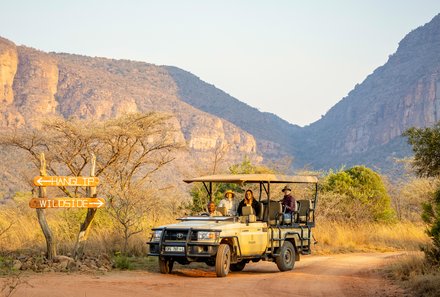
50, 241
85, 226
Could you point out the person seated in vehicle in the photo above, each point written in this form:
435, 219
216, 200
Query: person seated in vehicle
229, 203
249, 200
212, 211
288, 203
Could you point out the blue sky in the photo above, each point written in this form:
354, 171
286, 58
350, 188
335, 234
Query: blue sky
293, 58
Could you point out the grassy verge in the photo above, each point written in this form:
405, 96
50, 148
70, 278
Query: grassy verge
135, 263
335, 237
414, 274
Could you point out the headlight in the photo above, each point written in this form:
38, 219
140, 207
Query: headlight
207, 235
156, 235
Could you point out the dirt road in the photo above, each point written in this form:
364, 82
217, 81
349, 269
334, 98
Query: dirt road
340, 275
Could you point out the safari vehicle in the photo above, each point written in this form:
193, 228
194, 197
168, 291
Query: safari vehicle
228, 242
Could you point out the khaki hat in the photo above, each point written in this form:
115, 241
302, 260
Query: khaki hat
230, 191
286, 188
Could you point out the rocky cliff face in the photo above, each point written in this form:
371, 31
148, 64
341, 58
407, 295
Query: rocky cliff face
9, 116
273, 134
363, 128
370, 120
36, 85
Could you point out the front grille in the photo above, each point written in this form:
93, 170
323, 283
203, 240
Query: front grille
178, 235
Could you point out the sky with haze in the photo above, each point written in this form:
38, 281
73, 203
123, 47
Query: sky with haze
294, 58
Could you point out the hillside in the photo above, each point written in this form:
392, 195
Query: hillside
366, 126
363, 128
35, 85
273, 134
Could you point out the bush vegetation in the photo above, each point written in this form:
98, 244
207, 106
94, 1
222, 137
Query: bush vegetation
358, 210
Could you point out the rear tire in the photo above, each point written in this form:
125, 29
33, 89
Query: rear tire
223, 260
238, 266
286, 258
165, 265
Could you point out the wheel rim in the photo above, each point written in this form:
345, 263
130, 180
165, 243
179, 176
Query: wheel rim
288, 256
226, 261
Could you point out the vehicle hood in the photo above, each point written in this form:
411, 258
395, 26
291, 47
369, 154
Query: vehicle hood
198, 225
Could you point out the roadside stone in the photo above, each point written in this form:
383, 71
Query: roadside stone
16, 265
72, 266
60, 259
27, 265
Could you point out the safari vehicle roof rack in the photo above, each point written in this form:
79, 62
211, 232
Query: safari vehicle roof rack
254, 178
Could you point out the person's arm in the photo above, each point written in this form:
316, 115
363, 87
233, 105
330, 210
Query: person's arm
291, 205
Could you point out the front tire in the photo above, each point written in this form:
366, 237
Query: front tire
165, 265
223, 260
286, 258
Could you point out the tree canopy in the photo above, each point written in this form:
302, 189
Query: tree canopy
363, 191
426, 146
425, 143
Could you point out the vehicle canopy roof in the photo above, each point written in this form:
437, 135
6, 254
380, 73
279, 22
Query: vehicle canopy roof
254, 178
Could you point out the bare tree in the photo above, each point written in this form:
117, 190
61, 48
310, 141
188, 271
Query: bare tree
220, 152
127, 149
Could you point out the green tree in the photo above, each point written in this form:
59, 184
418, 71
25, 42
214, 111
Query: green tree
425, 144
362, 194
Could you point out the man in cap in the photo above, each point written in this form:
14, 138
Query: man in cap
288, 201
229, 203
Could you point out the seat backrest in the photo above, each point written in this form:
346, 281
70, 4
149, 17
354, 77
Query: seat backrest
273, 209
247, 210
260, 215
222, 209
303, 210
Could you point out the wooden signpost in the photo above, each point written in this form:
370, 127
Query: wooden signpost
67, 203
43, 202
69, 181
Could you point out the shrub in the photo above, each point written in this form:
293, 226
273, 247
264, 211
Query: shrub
361, 193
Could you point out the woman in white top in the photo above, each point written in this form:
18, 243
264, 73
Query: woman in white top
229, 203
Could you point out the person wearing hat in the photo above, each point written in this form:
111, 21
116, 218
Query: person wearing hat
229, 203
288, 201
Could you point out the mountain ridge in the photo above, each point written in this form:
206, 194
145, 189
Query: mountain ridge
363, 127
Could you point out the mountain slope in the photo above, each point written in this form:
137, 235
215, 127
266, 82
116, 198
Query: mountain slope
273, 134
363, 128
367, 124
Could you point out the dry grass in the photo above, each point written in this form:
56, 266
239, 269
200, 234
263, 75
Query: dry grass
22, 233
25, 234
415, 275
338, 237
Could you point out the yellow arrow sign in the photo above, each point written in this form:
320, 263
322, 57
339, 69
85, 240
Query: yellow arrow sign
67, 203
58, 181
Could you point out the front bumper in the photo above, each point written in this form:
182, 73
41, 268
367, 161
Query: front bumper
183, 243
